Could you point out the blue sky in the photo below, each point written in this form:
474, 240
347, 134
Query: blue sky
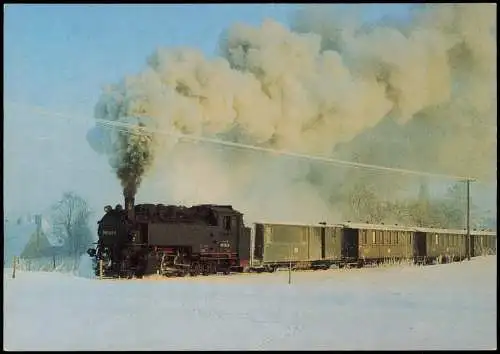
59, 57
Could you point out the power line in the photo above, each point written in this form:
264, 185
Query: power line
136, 129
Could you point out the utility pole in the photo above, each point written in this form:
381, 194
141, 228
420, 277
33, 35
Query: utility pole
468, 220
14, 263
38, 222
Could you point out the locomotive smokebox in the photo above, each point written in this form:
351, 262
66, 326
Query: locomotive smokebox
129, 205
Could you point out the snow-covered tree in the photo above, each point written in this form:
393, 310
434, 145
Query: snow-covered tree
70, 217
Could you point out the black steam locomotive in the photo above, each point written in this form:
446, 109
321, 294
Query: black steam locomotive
170, 240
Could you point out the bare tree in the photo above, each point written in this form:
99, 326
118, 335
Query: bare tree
70, 223
364, 204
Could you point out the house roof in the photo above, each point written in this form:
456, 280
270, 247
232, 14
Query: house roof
20, 232
39, 246
16, 236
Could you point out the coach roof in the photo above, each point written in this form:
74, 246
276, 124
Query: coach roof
367, 226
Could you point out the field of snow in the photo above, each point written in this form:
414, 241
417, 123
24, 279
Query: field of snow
449, 306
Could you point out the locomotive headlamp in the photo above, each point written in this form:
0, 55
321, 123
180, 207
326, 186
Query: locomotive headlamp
107, 208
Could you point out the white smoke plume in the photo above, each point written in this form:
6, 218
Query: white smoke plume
319, 89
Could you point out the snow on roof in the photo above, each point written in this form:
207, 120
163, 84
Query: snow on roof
297, 224
483, 232
51, 234
455, 231
440, 231
16, 236
362, 226
17, 233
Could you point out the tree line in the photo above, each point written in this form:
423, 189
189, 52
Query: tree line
449, 211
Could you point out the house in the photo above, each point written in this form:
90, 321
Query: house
42, 242
17, 233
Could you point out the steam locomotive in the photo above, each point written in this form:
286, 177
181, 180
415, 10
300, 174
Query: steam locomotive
207, 239
170, 240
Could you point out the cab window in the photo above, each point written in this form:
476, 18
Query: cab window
212, 218
234, 222
226, 221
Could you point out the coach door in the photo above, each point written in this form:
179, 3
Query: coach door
472, 245
350, 243
258, 251
420, 244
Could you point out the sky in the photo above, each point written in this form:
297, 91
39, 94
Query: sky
59, 57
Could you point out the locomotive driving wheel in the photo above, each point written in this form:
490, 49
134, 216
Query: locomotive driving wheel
163, 265
207, 269
213, 268
195, 269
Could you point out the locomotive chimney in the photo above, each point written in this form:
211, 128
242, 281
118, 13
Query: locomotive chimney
129, 205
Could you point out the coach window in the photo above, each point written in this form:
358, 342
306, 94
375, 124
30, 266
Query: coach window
373, 237
365, 237
304, 236
437, 239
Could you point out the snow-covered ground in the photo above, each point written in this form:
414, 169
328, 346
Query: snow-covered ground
449, 306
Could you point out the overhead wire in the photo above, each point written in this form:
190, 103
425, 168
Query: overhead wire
141, 130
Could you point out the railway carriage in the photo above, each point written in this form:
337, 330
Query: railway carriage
303, 245
369, 243
440, 245
483, 243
